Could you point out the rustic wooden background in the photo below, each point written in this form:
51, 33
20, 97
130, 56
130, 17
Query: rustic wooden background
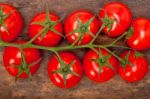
41, 86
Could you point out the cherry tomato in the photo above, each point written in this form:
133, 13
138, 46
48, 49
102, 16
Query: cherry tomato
135, 69
140, 38
50, 28
100, 67
67, 75
12, 60
81, 25
120, 14
11, 22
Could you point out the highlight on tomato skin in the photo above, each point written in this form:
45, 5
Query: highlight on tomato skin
118, 18
82, 25
140, 37
66, 75
13, 63
11, 23
136, 67
100, 66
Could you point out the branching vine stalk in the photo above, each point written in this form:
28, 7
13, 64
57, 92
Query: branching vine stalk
83, 28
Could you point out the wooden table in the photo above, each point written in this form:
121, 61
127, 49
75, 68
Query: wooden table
41, 86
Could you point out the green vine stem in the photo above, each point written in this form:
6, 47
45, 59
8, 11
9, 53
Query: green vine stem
59, 48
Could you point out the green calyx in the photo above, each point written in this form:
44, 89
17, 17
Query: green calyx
107, 22
126, 61
65, 69
102, 61
48, 25
3, 17
24, 67
82, 29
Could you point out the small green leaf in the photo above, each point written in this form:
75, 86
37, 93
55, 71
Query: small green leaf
55, 31
110, 66
47, 14
20, 71
43, 33
73, 73
130, 33
138, 54
79, 22
131, 64
88, 23
107, 57
127, 56
100, 69
65, 79
34, 63
57, 71
95, 60
71, 63
29, 73
74, 31
90, 33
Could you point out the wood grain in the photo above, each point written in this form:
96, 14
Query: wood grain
42, 88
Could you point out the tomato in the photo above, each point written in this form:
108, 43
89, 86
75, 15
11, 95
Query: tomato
12, 60
100, 67
81, 26
140, 38
11, 22
67, 75
135, 69
49, 26
121, 15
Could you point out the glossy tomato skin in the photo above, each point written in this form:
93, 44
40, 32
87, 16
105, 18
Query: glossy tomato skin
140, 38
57, 79
12, 59
71, 23
122, 16
13, 23
51, 38
137, 71
91, 67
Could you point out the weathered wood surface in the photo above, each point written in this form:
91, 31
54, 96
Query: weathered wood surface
41, 86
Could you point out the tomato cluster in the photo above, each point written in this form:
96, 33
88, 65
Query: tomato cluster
22, 58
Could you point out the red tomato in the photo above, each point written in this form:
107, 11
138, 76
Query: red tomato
100, 68
75, 27
58, 78
50, 38
136, 69
121, 15
11, 22
12, 60
140, 38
